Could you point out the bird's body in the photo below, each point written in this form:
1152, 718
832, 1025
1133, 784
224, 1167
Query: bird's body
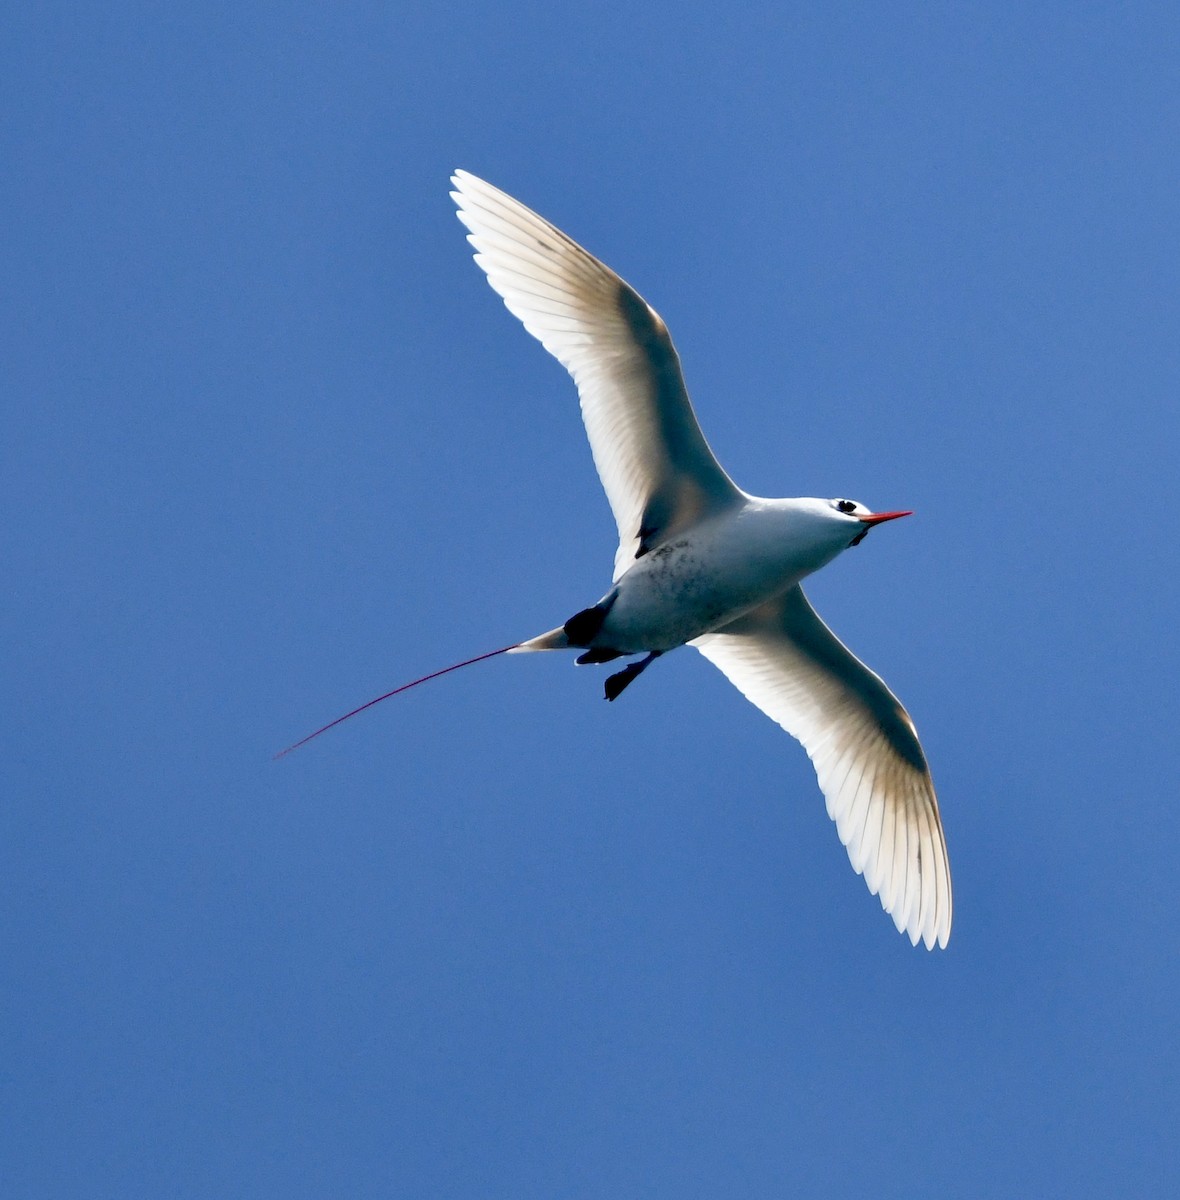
700, 562
714, 572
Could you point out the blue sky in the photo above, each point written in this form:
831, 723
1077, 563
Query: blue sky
272, 446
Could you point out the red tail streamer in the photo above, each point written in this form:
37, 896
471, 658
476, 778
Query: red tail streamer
405, 687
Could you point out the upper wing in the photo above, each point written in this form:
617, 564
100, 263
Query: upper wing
863, 745
653, 460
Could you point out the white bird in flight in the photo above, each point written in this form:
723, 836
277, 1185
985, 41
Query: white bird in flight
701, 563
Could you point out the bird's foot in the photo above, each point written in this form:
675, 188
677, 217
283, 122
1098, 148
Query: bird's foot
620, 679
598, 655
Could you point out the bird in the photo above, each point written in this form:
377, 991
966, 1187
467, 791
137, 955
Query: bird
702, 563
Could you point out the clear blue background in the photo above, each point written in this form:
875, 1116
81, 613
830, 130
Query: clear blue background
271, 446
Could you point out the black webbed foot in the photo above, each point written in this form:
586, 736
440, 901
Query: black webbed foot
598, 655
620, 679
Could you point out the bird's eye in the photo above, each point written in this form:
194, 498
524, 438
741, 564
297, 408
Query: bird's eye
846, 506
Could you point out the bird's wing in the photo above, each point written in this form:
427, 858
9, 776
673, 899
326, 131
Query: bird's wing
658, 471
863, 746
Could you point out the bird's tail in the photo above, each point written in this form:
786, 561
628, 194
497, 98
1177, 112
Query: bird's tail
555, 639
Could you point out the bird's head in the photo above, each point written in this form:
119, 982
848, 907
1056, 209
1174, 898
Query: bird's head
854, 519
831, 526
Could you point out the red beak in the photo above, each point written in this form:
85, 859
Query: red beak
877, 518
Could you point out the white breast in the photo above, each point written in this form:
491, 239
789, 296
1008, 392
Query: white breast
709, 576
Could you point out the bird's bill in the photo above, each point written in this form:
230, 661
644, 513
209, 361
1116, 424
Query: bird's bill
877, 518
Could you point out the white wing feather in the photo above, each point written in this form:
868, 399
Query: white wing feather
655, 465
863, 746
